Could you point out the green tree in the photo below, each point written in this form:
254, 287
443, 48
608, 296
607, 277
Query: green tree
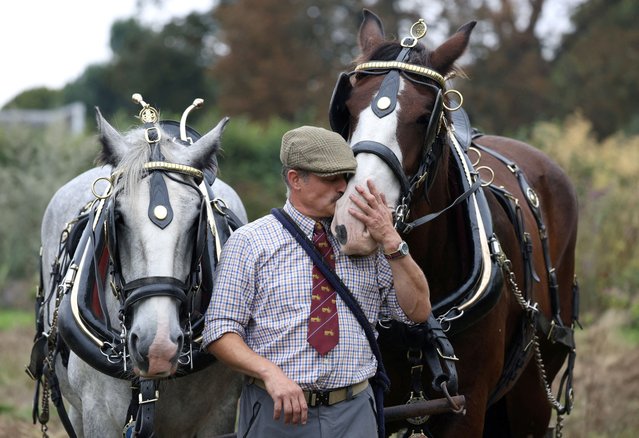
508, 85
597, 67
37, 98
168, 67
284, 55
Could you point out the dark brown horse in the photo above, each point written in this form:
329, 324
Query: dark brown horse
491, 221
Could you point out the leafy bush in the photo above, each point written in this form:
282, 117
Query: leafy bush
606, 176
250, 163
34, 163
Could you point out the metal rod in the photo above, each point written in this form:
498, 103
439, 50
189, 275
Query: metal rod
421, 408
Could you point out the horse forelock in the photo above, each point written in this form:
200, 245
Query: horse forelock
130, 167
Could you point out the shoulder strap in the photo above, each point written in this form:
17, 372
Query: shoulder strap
381, 378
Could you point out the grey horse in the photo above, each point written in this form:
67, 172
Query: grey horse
201, 403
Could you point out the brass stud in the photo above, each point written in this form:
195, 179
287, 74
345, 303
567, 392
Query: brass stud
160, 212
383, 102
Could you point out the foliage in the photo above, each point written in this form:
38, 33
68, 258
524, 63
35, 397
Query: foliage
37, 98
11, 319
606, 177
604, 86
33, 164
250, 163
167, 66
284, 55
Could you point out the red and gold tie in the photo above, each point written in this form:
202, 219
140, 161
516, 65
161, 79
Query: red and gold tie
323, 325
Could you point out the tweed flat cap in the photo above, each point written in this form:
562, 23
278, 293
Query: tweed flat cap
317, 150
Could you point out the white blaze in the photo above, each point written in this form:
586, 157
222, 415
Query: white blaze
381, 130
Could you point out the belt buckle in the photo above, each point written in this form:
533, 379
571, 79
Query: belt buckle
317, 398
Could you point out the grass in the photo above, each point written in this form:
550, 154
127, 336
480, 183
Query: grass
13, 319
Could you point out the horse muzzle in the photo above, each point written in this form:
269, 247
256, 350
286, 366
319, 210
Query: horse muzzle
353, 237
155, 338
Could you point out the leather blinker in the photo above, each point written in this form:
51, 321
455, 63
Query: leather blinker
338, 115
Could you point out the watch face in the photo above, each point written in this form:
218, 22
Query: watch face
403, 248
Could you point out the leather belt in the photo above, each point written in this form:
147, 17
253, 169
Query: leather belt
326, 398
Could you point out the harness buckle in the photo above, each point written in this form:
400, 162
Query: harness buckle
409, 42
141, 400
152, 135
443, 356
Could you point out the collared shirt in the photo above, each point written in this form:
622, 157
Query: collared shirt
262, 292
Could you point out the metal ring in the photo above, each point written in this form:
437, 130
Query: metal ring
488, 182
478, 152
217, 202
455, 408
461, 100
107, 194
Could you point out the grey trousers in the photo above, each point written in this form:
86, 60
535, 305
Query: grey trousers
351, 418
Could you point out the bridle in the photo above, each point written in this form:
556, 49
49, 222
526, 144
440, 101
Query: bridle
88, 328
383, 104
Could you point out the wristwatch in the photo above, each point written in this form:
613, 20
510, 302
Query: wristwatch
401, 251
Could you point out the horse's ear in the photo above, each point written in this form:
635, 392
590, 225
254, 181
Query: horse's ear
443, 57
113, 145
371, 32
202, 153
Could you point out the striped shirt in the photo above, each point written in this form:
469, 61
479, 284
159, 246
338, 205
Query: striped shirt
262, 292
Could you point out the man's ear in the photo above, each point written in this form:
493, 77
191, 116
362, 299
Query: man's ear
294, 179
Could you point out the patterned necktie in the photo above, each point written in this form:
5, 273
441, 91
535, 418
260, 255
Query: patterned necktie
323, 324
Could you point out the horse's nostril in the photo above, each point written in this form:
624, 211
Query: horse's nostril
341, 234
134, 340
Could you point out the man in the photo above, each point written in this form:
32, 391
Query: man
263, 319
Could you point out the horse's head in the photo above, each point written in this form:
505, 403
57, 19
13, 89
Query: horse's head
156, 222
391, 108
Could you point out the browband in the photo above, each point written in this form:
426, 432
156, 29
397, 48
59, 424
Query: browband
174, 167
404, 66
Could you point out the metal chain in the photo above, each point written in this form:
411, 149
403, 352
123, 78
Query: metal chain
531, 308
43, 417
52, 335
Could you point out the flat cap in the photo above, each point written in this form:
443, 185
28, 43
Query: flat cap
317, 150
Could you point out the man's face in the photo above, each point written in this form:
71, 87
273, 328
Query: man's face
315, 196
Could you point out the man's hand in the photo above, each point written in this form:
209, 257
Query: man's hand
287, 397
376, 216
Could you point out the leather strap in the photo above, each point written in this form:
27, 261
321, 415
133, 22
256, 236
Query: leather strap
147, 397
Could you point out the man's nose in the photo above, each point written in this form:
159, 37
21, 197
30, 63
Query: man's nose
342, 183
